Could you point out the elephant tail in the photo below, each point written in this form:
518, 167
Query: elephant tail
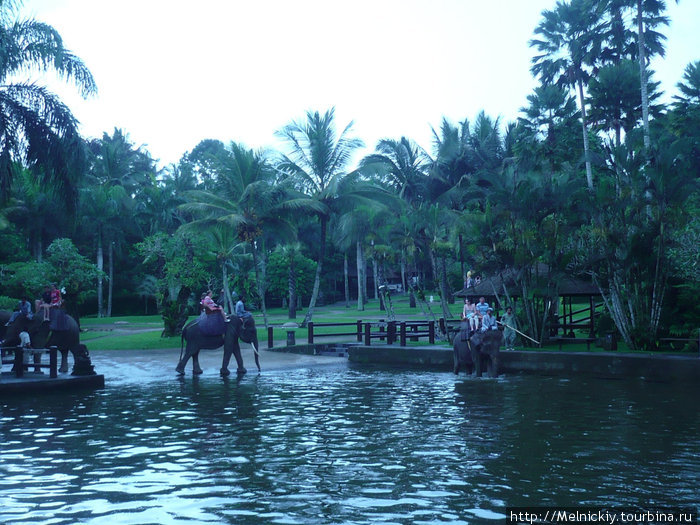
182, 342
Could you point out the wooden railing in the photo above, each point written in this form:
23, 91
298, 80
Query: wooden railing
18, 360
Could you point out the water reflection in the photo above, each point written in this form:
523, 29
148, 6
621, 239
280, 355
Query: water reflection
351, 445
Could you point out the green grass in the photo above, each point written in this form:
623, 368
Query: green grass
143, 332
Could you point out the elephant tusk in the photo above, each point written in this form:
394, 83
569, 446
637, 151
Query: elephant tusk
255, 349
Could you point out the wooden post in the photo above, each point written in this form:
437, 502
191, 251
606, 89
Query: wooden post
368, 339
381, 329
441, 323
310, 338
53, 362
359, 331
403, 333
270, 337
391, 332
431, 332
19, 361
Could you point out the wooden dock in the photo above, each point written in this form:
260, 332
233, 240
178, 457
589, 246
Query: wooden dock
26, 377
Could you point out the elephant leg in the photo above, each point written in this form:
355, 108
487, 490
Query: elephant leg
456, 365
493, 366
196, 369
64, 360
476, 358
190, 350
232, 348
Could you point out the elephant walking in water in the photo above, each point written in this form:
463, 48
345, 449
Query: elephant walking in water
194, 340
476, 351
67, 339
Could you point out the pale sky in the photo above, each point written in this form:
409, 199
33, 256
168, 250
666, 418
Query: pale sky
171, 73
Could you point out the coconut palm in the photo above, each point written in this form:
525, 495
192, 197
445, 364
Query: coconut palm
247, 198
318, 164
36, 128
401, 164
569, 40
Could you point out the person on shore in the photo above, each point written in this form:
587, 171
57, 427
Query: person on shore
509, 322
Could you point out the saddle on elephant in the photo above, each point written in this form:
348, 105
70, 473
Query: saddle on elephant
211, 323
58, 320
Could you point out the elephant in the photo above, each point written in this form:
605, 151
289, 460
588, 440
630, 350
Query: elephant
477, 351
460, 347
42, 336
235, 329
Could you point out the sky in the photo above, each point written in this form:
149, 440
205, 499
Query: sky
171, 73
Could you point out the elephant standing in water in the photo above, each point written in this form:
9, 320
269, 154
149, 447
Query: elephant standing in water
43, 336
477, 351
235, 329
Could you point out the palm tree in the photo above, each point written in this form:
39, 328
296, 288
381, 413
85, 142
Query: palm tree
36, 128
689, 86
649, 13
570, 40
118, 173
400, 164
318, 164
247, 198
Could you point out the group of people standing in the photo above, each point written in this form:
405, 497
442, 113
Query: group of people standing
480, 316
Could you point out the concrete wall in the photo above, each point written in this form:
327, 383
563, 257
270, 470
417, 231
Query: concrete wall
656, 367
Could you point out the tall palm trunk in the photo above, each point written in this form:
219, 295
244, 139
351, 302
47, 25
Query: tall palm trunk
317, 279
403, 271
443, 289
292, 285
110, 282
584, 128
347, 280
228, 300
360, 278
100, 268
375, 277
259, 278
643, 76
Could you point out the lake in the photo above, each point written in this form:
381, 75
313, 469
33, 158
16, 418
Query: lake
345, 444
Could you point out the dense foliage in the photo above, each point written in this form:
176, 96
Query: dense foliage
597, 179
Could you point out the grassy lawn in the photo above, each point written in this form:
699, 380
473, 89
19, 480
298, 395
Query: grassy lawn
143, 332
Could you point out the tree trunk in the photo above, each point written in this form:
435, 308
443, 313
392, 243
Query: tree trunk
110, 282
586, 146
360, 278
100, 268
375, 277
259, 282
347, 280
292, 284
317, 279
461, 259
643, 76
38, 249
403, 273
443, 290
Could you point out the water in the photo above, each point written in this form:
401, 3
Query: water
338, 444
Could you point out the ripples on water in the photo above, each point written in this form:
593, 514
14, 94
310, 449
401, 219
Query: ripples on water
345, 445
